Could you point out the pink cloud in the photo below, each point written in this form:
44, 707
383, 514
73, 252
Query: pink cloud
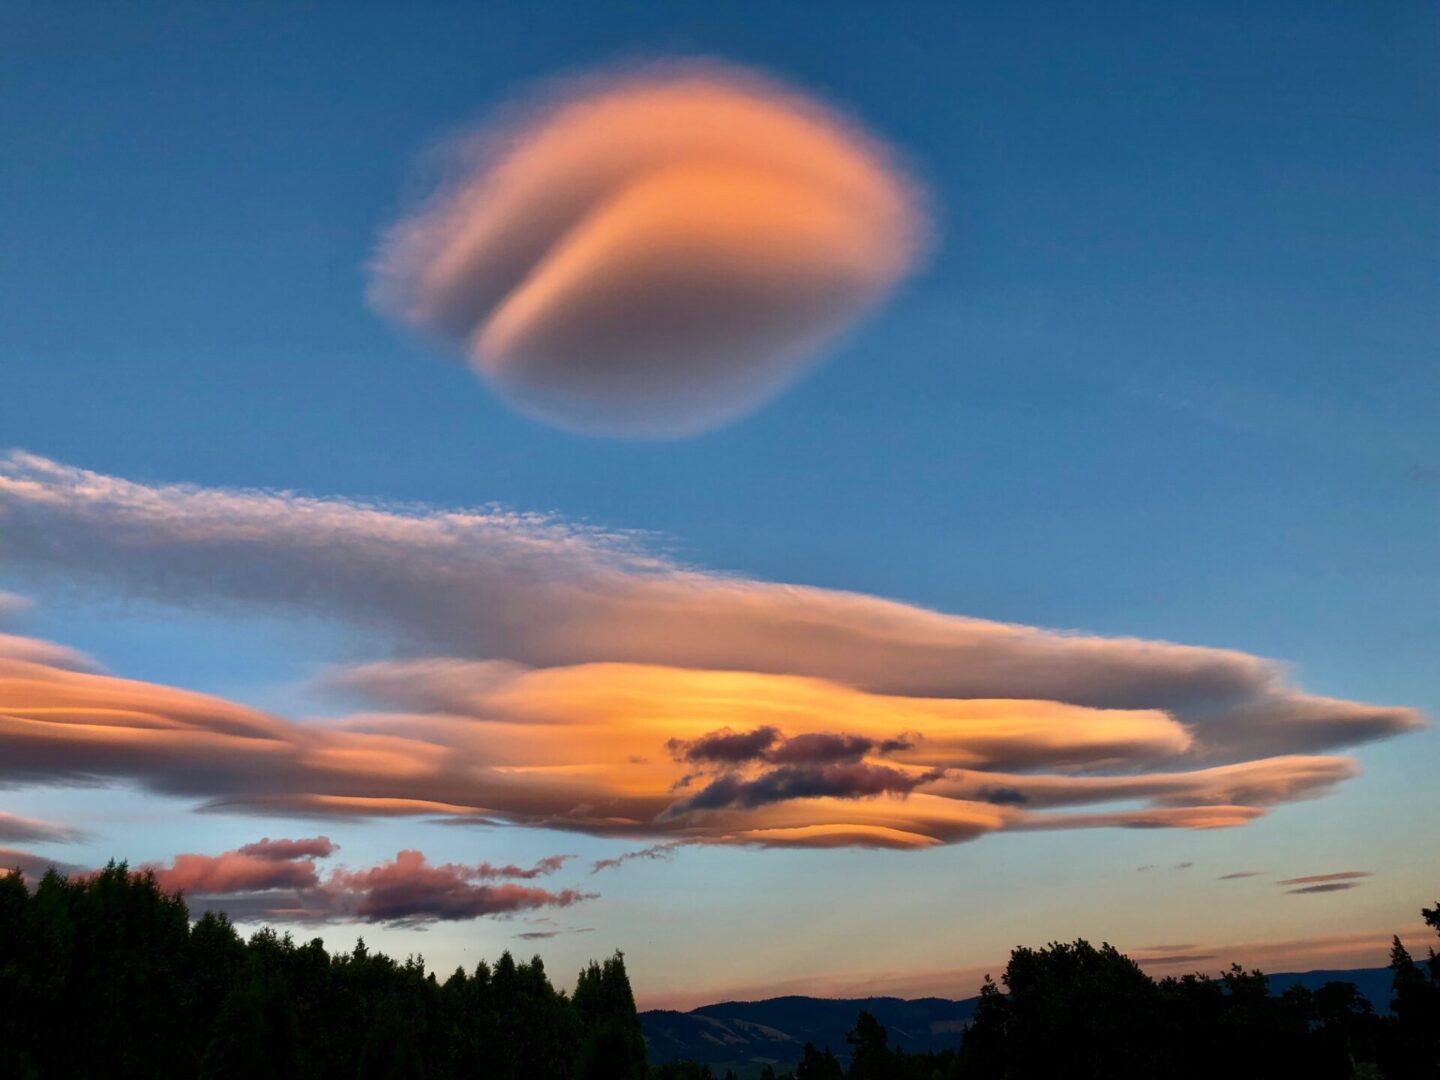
278, 881
240, 871
410, 889
315, 847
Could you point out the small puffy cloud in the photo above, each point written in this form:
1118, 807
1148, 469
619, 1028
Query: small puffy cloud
315, 847
589, 685
655, 252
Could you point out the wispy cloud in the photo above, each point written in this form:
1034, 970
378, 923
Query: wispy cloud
1325, 883
1342, 875
545, 935
32, 830
1329, 887
654, 853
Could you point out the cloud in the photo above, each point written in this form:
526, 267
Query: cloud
234, 872
1334, 886
1262, 782
278, 881
31, 650
544, 935
12, 604
1310, 879
1169, 959
1237, 875
590, 685
411, 890
654, 252
768, 744
726, 746
32, 830
1339, 881
849, 780
32, 866
654, 853
502, 586
315, 847
1166, 817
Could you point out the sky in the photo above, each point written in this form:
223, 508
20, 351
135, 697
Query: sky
921, 480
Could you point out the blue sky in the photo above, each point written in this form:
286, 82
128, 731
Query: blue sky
1169, 373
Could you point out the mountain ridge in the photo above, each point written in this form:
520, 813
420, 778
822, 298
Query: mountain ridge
745, 1036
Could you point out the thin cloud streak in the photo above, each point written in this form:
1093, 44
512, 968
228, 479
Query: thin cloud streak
1334, 886
33, 831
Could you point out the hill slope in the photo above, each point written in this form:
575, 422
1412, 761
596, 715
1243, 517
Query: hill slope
748, 1035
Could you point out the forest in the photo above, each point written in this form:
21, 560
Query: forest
106, 975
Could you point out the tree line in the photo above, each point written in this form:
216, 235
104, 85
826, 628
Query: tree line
105, 975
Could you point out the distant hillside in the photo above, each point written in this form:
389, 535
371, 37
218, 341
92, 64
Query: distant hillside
1374, 983
748, 1035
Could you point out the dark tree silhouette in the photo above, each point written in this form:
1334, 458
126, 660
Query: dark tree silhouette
105, 975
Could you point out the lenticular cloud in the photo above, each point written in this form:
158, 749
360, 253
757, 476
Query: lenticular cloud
655, 254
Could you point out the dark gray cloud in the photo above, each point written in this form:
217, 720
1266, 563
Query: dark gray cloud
1333, 886
654, 853
848, 780
726, 747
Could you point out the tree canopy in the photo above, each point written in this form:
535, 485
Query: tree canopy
104, 974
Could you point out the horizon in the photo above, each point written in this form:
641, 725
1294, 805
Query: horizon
873, 487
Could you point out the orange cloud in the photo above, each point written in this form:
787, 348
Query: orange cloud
500, 586
595, 687
656, 252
